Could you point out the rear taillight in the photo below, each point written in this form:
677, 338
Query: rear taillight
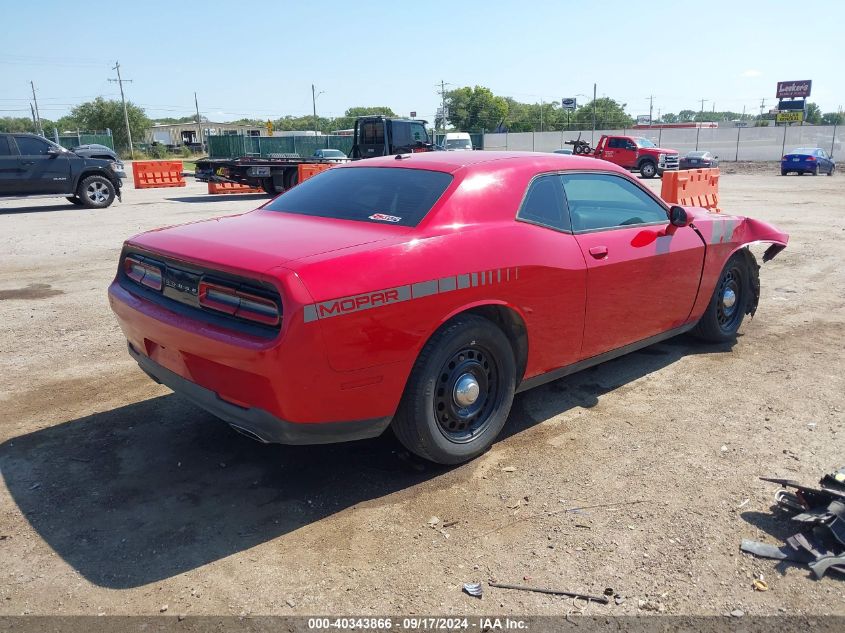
238, 303
143, 272
810, 158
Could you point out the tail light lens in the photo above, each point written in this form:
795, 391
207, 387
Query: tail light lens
238, 303
143, 272
811, 158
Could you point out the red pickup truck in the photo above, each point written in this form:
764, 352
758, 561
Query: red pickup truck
636, 153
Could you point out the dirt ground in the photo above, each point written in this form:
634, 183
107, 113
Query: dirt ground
118, 497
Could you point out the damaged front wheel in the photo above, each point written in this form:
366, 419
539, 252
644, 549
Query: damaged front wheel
735, 296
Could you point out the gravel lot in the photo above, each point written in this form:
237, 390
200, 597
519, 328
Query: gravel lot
117, 497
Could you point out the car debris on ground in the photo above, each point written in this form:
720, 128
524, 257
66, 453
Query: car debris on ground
820, 544
554, 592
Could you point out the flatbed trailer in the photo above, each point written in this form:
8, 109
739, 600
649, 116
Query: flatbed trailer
373, 136
273, 174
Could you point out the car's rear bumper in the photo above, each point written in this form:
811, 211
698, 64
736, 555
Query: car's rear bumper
257, 423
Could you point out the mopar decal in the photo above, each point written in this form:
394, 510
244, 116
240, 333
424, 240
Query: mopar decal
379, 298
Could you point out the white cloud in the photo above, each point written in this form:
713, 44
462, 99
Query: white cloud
751, 72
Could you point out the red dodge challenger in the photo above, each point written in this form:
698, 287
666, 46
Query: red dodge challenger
422, 291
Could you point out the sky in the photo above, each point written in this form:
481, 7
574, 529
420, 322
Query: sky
259, 59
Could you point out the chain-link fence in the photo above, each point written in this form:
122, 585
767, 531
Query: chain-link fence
266, 146
75, 139
729, 144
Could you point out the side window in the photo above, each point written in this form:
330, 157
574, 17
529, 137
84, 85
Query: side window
544, 203
29, 146
418, 133
616, 143
604, 201
5, 150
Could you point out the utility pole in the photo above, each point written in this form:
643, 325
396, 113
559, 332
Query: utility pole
34, 120
199, 121
541, 115
314, 105
443, 105
762, 106
650, 108
702, 105
38, 127
593, 135
119, 81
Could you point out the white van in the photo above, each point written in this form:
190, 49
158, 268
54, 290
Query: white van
457, 142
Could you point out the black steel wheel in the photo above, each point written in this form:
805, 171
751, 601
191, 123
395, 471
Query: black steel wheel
459, 393
729, 299
733, 297
466, 393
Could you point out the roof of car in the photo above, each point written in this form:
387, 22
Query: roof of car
453, 161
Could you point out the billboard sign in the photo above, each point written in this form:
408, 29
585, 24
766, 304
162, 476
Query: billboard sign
568, 103
413, 114
793, 104
791, 89
643, 119
789, 117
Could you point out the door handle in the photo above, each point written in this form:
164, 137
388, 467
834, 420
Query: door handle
599, 252
27, 162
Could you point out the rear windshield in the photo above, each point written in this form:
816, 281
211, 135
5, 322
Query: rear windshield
384, 195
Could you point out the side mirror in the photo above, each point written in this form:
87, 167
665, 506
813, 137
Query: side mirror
53, 152
678, 216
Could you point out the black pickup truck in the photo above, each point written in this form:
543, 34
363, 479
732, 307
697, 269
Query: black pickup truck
30, 165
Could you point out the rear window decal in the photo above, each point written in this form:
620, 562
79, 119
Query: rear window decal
383, 217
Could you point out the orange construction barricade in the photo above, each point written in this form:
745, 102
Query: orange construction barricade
232, 187
692, 188
306, 170
157, 173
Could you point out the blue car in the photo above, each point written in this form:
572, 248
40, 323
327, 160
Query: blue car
807, 160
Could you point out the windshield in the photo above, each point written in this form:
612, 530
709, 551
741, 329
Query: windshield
696, 154
458, 143
803, 150
384, 195
332, 153
644, 142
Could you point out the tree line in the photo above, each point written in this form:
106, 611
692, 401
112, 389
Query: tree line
468, 109
477, 109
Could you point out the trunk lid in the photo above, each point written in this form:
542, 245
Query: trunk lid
260, 240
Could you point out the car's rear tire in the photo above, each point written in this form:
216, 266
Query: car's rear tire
648, 169
459, 393
96, 192
815, 171
732, 296
74, 200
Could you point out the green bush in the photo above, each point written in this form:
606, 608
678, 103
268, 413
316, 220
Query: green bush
185, 152
157, 151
